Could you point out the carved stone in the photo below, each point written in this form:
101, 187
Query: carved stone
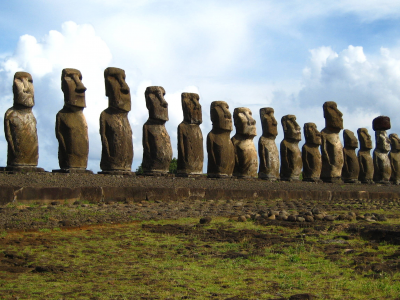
364, 157
221, 153
351, 167
157, 150
312, 162
190, 137
71, 126
267, 150
394, 157
115, 130
246, 161
20, 127
382, 168
331, 147
291, 162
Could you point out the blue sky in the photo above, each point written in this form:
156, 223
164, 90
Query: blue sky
290, 55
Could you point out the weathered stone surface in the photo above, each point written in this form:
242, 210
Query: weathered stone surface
312, 162
291, 162
246, 161
157, 149
267, 150
115, 130
382, 168
71, 126
394, 157
190, 137
220, 150
351, 166
331, 147
365, 161
381, 123
20, 125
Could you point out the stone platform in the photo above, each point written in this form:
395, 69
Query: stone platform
49, 187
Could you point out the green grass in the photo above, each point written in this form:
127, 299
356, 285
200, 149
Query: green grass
129, 262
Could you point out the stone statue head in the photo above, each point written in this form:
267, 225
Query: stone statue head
382, 141
156, 104
333, 117
350, 140
291, 129
311, 133
221, 117
244, 122
23, 89
394, 142
364, 138
73, 88
268, 122
117, 90
191, 108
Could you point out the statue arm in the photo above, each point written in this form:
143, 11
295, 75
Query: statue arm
345, 167
264, 156
324, 152
181, 144
210, 150
361, 164
7, 131
284, 155
103, 135
59, 135
304, 157
145, 142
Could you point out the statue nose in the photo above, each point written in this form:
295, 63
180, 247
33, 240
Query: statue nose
80, 88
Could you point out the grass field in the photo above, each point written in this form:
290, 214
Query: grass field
180, 259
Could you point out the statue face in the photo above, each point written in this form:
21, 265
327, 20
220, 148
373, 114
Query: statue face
382, 141
221, 117
156, 104
333, 117
268, 122
73, 88
23, 89
291, 128
394, 142
191, 108
117, 90
350, 140
365, 139
311, 133
244, 122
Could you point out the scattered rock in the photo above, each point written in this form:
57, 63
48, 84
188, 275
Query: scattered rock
205, 220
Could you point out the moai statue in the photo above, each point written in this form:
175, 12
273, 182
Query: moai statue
246, 162
267, 150
291, 162
115, 130
310, 154
20, 127
382, 168
394, 157
364, 157
331, 147
221, 153
351, 167
157, 150
190, 138
71, 126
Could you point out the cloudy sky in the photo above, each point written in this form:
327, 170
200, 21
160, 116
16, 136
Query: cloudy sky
290, 55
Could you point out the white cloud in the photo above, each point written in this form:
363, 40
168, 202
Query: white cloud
76, 46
